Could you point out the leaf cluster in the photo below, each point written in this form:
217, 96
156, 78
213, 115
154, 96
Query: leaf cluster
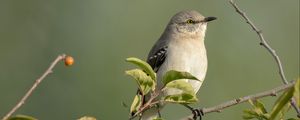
146, 80
279, 109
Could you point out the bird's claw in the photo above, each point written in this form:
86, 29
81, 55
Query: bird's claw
197, 113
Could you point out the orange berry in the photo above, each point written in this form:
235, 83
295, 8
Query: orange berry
69, 61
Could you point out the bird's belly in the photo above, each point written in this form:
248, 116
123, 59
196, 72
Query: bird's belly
196, 64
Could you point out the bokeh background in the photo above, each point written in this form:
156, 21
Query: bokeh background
100, 34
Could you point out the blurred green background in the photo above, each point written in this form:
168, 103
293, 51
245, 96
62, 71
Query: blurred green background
100, 34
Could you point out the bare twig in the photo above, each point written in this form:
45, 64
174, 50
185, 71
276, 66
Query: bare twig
264, 43
233, 102
150, 103
37, 82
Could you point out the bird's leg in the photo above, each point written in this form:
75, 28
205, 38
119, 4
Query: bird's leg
158, 111
196, 112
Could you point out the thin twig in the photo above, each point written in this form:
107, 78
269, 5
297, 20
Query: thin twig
264, 43
233, 102
150, 103
37, 82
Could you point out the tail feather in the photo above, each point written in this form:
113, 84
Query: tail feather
150, 114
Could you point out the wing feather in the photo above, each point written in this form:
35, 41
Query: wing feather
157, 58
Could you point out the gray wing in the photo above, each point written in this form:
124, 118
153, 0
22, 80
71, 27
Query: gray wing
157, 55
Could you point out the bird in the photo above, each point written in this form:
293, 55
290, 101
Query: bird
180, 47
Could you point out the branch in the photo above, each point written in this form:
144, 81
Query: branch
37, 82
147, 105
264, 43
233, 102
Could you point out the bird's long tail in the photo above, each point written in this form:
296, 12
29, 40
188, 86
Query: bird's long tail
150, 114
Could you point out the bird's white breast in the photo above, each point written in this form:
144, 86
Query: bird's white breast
188, 56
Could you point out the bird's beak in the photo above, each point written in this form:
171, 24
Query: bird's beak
207, 19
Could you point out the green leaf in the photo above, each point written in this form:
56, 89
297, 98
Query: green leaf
249, 114
143, 65
259, 111
183, 98
87, 118
175, 75
180, 85
22, 117
259, 107
145, 82
186, 93
283, 111
136, 104
281, 102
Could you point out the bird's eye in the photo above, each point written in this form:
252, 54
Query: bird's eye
189, 21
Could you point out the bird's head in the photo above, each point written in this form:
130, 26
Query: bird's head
189, 22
